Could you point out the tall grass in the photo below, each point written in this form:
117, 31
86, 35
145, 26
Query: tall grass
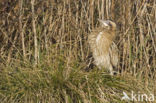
44, 50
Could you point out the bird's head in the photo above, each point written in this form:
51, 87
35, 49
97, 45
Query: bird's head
108, 24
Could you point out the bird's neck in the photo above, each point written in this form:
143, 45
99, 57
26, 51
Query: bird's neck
110, 34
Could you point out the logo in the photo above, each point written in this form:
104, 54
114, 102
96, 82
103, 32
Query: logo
138, 97
125, 97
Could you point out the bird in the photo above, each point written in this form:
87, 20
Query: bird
103, 48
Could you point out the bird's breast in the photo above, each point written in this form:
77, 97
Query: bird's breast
98, 37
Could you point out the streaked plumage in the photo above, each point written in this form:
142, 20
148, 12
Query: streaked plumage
102, 46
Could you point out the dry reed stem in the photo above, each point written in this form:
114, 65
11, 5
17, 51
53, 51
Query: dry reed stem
34, 32
21, 27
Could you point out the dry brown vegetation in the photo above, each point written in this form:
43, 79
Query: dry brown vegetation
53, 34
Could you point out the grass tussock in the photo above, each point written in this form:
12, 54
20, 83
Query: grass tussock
47, 84
44, 50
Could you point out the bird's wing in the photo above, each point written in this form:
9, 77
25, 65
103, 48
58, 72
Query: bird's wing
113, 51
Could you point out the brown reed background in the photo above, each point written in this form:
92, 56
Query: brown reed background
44, 31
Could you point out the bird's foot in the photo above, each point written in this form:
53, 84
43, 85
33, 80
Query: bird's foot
113, 73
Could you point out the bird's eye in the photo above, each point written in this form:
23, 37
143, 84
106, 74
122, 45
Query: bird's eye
110, 24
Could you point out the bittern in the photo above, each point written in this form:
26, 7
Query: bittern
103, 48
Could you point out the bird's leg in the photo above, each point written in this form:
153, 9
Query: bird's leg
115, 71
111, 70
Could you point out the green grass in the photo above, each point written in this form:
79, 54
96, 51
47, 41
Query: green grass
44, 83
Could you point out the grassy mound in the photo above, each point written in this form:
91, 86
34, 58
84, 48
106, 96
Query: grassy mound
23, 83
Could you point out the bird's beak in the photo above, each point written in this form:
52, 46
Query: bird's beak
104, 22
